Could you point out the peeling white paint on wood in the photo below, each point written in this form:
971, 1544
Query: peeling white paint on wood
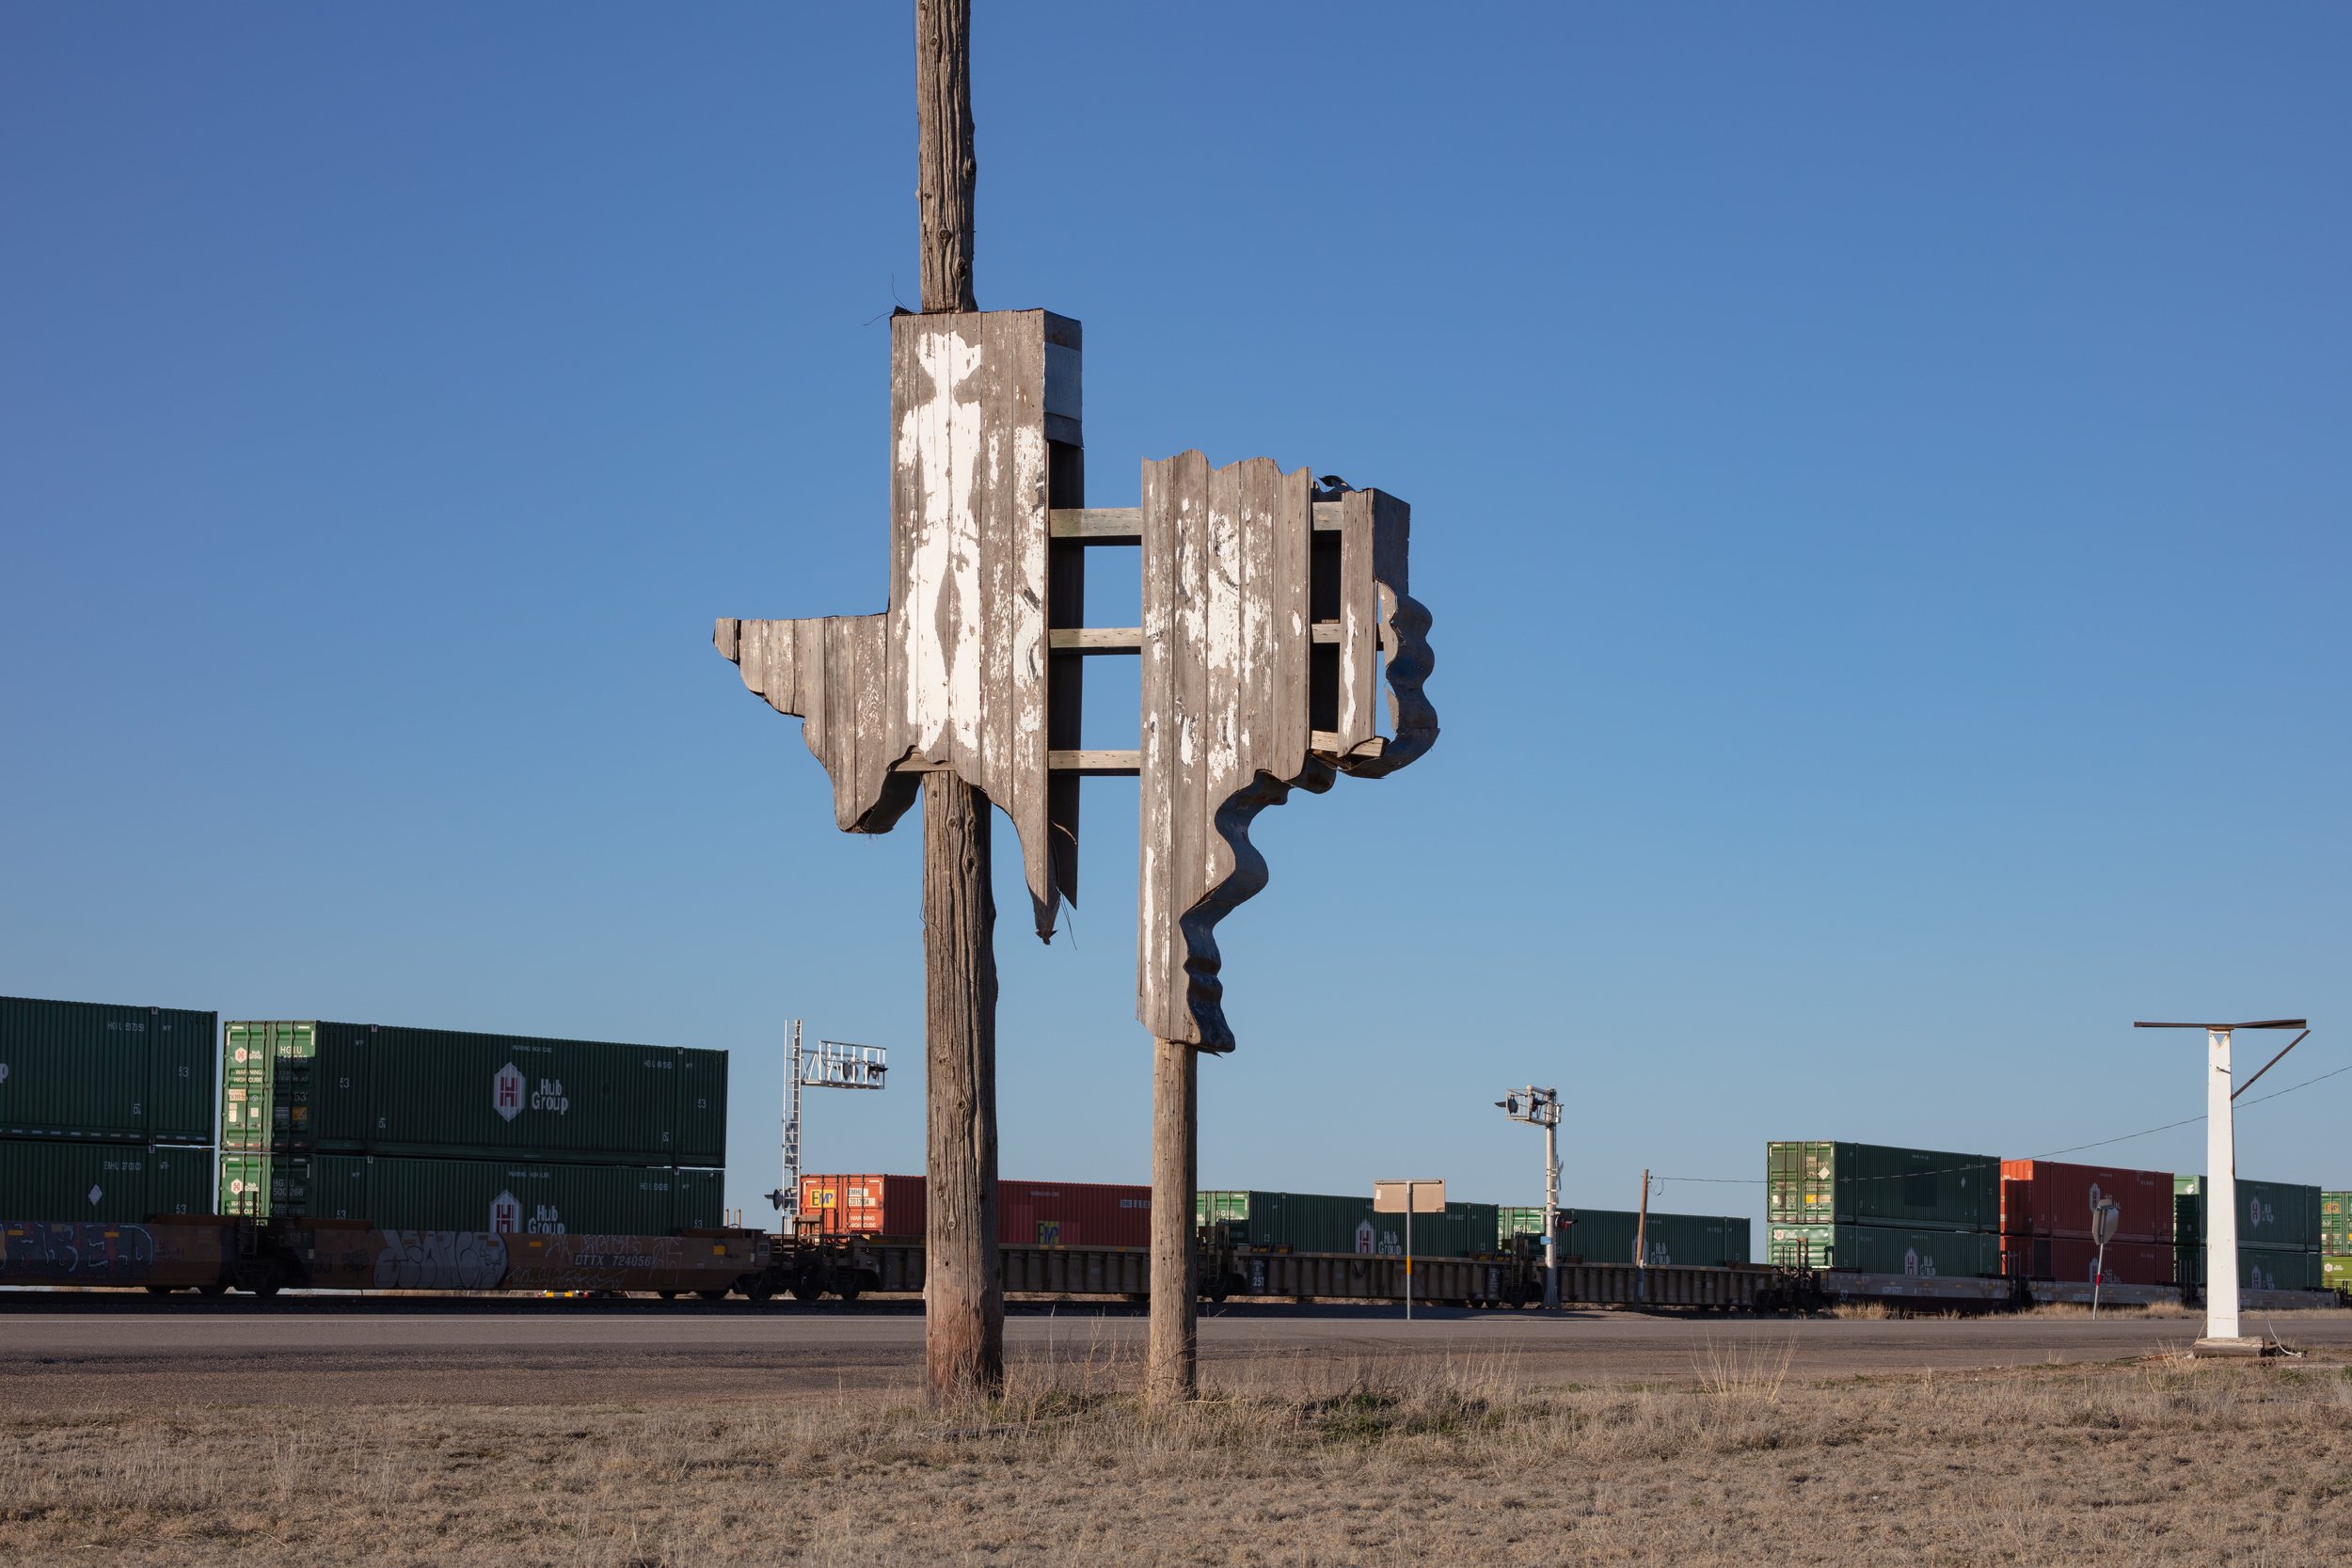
954, 672
1227, 640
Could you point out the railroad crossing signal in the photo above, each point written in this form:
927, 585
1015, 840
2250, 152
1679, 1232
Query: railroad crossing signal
826, 1064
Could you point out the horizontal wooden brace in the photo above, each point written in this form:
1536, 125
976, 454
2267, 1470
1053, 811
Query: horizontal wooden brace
1123, 525
1095, 639
1106, 525
1096, 765
1129, 639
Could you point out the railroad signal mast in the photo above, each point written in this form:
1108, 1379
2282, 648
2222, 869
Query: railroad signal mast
1541, 1108
826, 1064
2221, 1293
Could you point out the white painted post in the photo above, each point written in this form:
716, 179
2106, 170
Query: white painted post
1551, 1216
2221, 1192
1408, 1250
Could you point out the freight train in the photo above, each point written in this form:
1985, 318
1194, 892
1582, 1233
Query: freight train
365, 1157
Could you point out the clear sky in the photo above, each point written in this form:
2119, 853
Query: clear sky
1880, 476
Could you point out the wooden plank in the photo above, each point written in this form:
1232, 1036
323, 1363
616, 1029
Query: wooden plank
1360, 618
1402, 626
1120, 525
1065, 672
1096, 764
1096, 640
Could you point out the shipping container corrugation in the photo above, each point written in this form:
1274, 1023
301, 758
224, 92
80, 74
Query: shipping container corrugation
2049, 1198
2269, 1213
1826, 1183
254, 1113
2074, 1258
1607, 1235
93, 1071
1830, 1182
418, 1193
350, 1088
1028, 1214
2335, 1223
118, 1183
1331, 1222
1912, 1250
2259, 1268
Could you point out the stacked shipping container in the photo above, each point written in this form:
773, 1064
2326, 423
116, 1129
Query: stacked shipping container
106, 1111
1608, 1235
2335, 1241
436, 1128
2047, 1223
1028, 1214
1881, 1210
2277, 1234
1332, 1221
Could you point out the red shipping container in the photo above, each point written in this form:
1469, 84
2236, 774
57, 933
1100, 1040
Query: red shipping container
2047, 1197
861, 1205
2072, 1258
1028, 1214
1072, 1213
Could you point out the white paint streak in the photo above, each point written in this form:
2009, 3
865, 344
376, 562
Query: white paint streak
939, 444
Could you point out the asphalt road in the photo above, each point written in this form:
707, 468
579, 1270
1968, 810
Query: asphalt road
278, 1354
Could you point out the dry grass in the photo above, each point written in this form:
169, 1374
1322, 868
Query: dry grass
1304, 1463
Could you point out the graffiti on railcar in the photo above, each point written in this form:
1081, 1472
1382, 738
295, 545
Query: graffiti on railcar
439, 1261
70, 1252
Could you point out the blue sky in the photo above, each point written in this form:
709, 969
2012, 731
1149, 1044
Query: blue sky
1880, 475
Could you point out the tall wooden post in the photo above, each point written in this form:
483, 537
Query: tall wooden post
963, 1298
1171, 1364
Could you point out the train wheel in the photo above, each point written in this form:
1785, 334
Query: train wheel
762, 1289
712, 1295
218, 1287
848, 1293
667, 1295
806, 1289
159, 1290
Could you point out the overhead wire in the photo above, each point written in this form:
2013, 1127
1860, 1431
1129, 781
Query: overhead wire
2071, 1148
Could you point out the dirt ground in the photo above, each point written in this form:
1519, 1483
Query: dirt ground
1339, 1453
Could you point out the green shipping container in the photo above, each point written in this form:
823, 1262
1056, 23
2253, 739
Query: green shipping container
1324, 1222
2269, 1213
255, 1186
1848, 1183
1920, 1252
2258, 1268
2335, 1223
2335, 1271
88, 1070
118, 1183
356, 1089
1607, 1235
409, 1193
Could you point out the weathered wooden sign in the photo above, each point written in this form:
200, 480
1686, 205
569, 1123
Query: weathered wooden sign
954, 674
1275, 610
1266, 617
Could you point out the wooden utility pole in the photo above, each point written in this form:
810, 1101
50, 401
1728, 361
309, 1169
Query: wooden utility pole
1171, 1365
963, 1297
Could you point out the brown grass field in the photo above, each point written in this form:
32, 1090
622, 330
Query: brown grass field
2156, 1460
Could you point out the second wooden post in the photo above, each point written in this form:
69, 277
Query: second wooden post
1171, 1369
